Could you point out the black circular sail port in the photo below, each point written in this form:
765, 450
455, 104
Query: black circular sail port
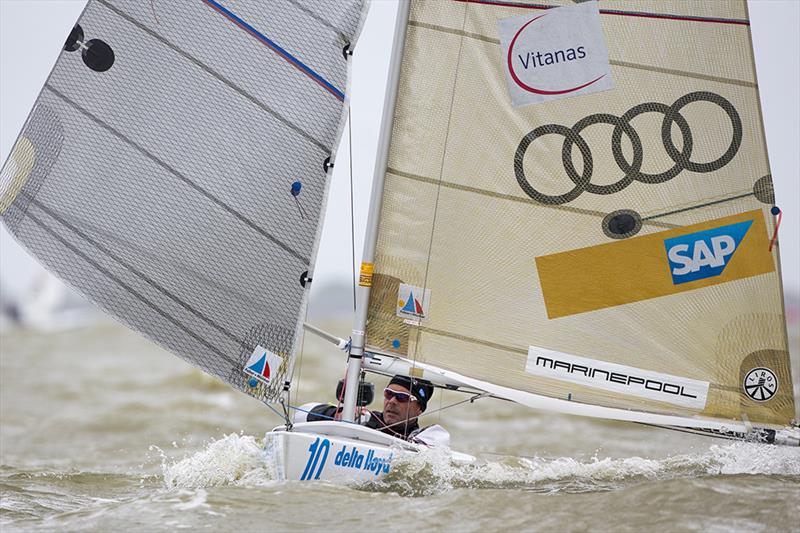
74, 39
622, 224
347, 51
304, 278
327, 165
98, 56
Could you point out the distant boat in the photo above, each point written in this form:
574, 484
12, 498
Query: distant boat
49, 306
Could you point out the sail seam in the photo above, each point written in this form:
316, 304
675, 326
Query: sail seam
641, 14
261, 105
661, 70
698, 206
510, 197
124, 285
318, 19
625, 64
473, 340
275, 47
261, 231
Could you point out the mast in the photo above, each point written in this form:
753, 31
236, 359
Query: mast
356, 353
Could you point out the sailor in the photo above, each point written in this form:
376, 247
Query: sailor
404, 400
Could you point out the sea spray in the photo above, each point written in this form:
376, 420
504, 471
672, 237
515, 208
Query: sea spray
232, 460
431, 471
240, 460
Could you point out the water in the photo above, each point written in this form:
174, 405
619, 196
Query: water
101, 430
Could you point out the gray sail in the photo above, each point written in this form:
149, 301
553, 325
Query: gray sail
174, 170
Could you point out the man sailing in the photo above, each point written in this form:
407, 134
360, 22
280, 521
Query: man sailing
404, 401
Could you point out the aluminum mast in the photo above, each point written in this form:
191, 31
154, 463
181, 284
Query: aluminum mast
362, 297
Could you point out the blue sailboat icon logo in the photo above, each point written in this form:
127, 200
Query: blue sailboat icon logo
411, 306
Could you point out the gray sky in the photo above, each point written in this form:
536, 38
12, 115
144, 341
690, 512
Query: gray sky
33, 31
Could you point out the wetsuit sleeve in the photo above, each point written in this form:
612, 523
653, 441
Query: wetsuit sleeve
322, 412
314, 412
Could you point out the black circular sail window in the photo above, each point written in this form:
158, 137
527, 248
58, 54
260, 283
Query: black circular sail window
622, 224
98, 56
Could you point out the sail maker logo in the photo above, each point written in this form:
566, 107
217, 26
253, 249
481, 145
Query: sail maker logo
412, 302
654, 265
617, 378
555, 54
262, 365
704, 254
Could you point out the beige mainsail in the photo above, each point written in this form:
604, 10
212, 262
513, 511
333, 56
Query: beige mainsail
611, 248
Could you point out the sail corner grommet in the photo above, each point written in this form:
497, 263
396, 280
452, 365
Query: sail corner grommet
327, 164
305, 279
347, 51
74, 39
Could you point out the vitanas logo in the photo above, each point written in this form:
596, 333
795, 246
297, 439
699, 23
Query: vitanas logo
520, 60
704, 254
555, 54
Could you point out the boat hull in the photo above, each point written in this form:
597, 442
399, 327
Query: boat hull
336, 452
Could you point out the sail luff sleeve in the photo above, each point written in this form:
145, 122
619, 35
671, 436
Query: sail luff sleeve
155, 172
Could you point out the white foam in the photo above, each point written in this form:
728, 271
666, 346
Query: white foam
231, 460
241, 460
431, 472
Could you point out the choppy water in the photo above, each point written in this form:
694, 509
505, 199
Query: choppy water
99, 430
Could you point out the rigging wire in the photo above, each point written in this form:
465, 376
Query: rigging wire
471, 399
352, 200
300, 362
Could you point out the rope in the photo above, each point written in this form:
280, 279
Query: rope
300, 362
333, 418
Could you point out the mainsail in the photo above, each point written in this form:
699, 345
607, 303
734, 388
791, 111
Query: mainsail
174, 169
611, 249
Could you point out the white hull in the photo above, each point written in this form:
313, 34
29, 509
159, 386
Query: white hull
336, 451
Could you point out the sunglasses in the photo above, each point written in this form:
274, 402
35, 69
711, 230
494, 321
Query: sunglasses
401, 397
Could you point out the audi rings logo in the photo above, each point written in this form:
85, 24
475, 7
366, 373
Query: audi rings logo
632, 170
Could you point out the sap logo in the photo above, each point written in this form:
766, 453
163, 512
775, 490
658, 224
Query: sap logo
704, 254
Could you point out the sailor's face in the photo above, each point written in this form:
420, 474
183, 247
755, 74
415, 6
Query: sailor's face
395, 411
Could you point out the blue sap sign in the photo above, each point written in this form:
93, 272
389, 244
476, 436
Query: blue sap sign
704, 254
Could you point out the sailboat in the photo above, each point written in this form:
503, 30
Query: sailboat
511, 251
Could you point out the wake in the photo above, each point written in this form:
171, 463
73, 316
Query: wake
240, 460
